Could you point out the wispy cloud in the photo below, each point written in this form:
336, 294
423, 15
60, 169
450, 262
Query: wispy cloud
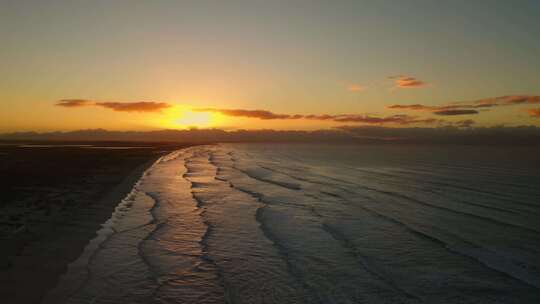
401, 119
507, 100
414, 107
407, 82
425, 108
534, 112
260, 114
141, 106
356, 88
438, 110
470, 107
354, 118
73, 103
455, 112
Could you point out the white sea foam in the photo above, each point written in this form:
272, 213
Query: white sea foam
321, 224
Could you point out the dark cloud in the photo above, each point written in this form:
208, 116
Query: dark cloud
260, 114
510, 100
455, 112
419, 107
355, 118
407, 82
73, 103
470, 107
414, 107
371, 119
142, 106
398, 119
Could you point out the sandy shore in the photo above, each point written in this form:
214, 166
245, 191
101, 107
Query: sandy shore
47, 226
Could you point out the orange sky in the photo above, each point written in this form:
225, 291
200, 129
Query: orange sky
332, 63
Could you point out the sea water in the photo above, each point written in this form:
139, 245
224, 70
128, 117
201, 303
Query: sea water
306, 223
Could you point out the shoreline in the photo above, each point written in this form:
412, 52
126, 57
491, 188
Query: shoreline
123, 190
41, 261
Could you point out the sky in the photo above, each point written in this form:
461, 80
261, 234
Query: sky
147, 65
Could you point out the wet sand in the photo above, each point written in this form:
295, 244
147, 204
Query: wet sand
54, 198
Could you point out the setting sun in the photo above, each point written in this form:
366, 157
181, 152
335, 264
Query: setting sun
183, 117
190, 118
278, 151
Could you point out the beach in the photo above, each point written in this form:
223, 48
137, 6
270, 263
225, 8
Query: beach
54, 198
295, 223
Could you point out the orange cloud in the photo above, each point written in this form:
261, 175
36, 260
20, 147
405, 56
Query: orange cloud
320, 117
142, 106
356, 88
407, 82
534, 112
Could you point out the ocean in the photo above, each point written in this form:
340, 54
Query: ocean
308, 223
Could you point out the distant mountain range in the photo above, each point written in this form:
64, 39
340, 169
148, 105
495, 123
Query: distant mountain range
525, 135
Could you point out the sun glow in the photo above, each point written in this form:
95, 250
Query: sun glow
183, 117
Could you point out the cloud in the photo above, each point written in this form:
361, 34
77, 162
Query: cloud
142, 106
455, 112
398, 119
470, 107
419, 107
260, 114
320, 117
356, 88
515, 99
437, 110
73, 103
371, 119
534, 112
507, 100
407, 82
414, 107
355, 118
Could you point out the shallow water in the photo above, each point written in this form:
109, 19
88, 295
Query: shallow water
320, 224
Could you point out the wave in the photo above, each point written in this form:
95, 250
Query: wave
264, 224
486, 257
